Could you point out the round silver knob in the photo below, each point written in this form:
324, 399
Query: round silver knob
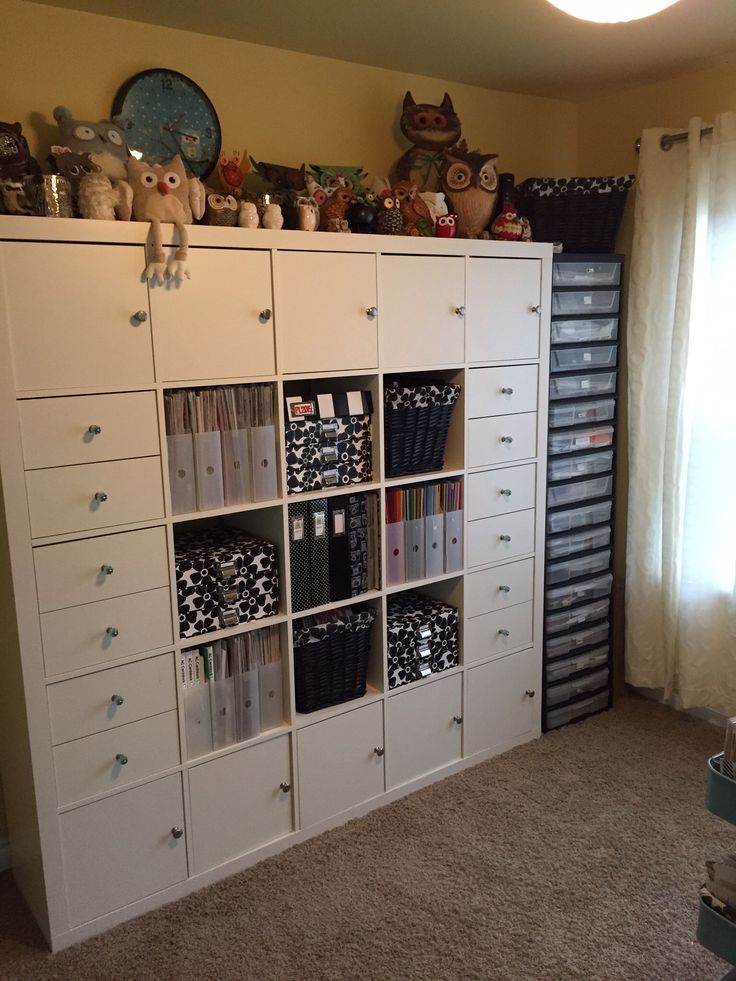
458, 719
379, 750
100, 496
94, 430
507, 391
505, 538
140, 316
106, 570
121, 758
286, 787
265, 315
507, 439
371, 312
112, 631
177, 832
505, 491
117, 699
504, 589
530, 692
537, 308
460, 311
503, 632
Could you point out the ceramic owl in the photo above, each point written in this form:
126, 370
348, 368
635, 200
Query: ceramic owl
432, 130
248, 215
470, 182
446, 226
414, 211
272, 216
104, 141
335, 206
308, 216
389, 220
220, 209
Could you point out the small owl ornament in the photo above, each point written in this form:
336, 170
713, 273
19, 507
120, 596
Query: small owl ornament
389, 220
446, 226
414, 211
335, 206
510, 226
220, 209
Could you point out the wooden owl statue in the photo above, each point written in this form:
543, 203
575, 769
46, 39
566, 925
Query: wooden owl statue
389, 220
220, 209
470, 182
335, 206
414, 211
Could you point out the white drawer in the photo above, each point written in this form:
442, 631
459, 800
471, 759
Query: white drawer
500, 391
501, 439
500, 491
60, 431
496, 634
107, 699
63, 499
110, 760
73, 573
502, 537
485, 591
84, 635
121, 848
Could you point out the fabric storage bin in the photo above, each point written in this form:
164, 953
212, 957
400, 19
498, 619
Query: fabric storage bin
584, 302
579, 439
577, 358
574, 386
591, 514
580, 466
568, 643
587, 565
563, 692
416, 422
580, 331
561, 716
590, 273
328, 441
422, 637
331, 657
600, 410
223, 577
578, 592
579, 541
568, 619
567, 666
579, 490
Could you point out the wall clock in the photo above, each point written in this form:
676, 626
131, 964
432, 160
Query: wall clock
164, 113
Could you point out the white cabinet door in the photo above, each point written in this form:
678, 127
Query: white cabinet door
122, 848
325, 305
219, 324
503, 308
421, 302
72, 315
240, 801
423, 729
502, 701
339, 765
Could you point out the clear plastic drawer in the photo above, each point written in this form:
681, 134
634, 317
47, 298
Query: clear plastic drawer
586, 273
575, 358
557, 694
580, 466
580, 439
573, 386
586, 565
569, 643
579, 541
560, 670
590, 613
578, 592
599, 410
583, 302
581, 331
592, 514
581, 490
561, 716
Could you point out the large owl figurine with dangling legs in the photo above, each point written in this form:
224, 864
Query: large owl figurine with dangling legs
470, 182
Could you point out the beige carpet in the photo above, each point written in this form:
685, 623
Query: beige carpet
578, 856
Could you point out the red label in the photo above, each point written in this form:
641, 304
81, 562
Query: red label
301, 409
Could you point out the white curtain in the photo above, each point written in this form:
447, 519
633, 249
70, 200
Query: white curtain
681, 335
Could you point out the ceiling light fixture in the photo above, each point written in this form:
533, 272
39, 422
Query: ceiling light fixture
611, 11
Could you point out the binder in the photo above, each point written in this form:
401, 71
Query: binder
197, 712
263, 462
434, 545
236, 466
208, 470
319, 552
299, 556
181, 473
395, 569
358, 543
414, 548
339, 549
453, 541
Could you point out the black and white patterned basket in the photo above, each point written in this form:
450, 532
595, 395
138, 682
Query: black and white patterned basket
331, 657
416, 422
422, 637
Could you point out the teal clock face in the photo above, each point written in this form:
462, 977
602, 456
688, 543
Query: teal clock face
164, 113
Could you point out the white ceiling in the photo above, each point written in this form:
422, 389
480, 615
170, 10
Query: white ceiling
523, 46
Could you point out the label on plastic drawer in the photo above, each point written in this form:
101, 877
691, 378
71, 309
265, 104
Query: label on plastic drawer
587, 356
585, 383
588, 300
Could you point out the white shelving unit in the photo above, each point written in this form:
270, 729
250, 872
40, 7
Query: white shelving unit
83, 338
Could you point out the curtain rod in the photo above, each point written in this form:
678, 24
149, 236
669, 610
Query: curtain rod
669, 138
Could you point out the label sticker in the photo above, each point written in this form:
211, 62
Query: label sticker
319, 525
338, 522
297, 528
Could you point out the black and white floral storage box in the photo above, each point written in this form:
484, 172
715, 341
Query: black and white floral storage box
223, 577
422, 638
328, 441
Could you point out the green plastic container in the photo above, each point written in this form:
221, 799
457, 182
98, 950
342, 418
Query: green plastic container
720, 793
717, 933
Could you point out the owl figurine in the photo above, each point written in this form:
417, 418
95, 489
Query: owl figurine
335, 206
414, 211
470, 182
104, 141
248, 215
272, 216
231, 171
445, 226
220, 209
164, 192
308, 215
510, 226
389, 220
432, 130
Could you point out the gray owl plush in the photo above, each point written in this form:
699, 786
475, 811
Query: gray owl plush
104, 141
220, 209
389, 220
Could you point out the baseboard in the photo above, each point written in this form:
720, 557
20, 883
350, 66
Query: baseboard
711, 715
4, 854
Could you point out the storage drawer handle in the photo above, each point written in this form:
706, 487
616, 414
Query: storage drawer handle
424, 631
112, 632
265, 315
177, 832
140, 316
460, 311
121, 758
328, 429
503, 632
328, 454
530, 692
505, 538
117, 699
458, 719
100, 497
505, 491
229, 618
371, 312
94, 430
507, 391
537, 308
507, 439
230, 595
330, 478
106, 570
285, 786
505, 589
379, 750
228, 570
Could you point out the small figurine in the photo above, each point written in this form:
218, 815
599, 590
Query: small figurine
232, 170
281, 177
362, 214
338, 225
248, 215
330, 178
432, 129
435, 201
510, 226
104, 141
99, 199
446, 226
16, 163
469, 180
272, 216
414, 211
335, 206
220, 209
308, 215
389, 220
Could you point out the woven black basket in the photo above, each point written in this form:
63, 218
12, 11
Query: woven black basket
584, 213
416, 422
331, 658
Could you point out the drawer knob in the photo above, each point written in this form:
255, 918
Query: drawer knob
106, 570
537, 308
505, 538
458, 719
100, 497
112, 631
371, 312
507, 439
285, 786
504, 589
265, 315
379, 750
94, 430
507, 391
460, 311
503, 632
505, 491
117, 699
177, 832
530, 693
121, 758
140, 316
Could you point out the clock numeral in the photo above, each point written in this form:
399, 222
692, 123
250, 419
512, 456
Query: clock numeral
167, 84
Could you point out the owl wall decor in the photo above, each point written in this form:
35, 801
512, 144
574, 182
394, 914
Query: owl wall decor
432, 129
470, 182
220, 209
